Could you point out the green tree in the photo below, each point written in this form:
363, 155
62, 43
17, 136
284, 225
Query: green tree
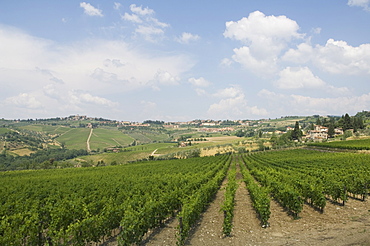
347, 124
296, 133
331, 131
312, 127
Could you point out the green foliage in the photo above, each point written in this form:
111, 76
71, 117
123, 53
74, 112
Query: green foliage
259, 195
229, 200
360, 144
195, 204
41, 159
293, 176
296, 133
79, 206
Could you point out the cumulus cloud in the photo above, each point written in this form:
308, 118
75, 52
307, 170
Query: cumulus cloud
91, 10
200, 82
264, 67
339, 57
257, 26
335, 57
145, 24
229, 92
166, 78
46, 75
295, 104
132, 17
140, 10
360, 3
302, 54
298, 78
23, 100
186, 38
263, 37
303, 78
233, 104
90, 99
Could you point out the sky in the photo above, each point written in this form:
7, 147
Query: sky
184, 60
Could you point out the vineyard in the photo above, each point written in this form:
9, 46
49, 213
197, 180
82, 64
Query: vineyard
360, 144
81, 206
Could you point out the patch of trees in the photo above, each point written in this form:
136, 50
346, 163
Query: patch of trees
345, 122
38, 160
33, 140
153, 122
229, 123
244, 133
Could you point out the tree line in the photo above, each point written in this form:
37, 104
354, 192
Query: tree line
38, 160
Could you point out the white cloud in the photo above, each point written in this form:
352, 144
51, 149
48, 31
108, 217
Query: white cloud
200, 92
264, 37
140, 10
341, 58
226, 62
23, 100
316, 30
186, 38
264, 67
200, 82
166, 78
306, 105
149, 31
90, 99
298, 78
145, 24
229, 92
360, 3
257, 27
302, 54
335, 57
156, 22
39, 72
117, 6
303, 78
91, 10
233, 105
132, 17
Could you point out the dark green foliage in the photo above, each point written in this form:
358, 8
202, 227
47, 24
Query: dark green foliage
296, 133
36, 160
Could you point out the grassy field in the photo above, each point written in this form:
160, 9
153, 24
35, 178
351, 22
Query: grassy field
132, 153
4, 130
103, 138
75, 138
146, 136
46, 128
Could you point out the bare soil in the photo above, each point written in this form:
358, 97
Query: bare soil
338, 225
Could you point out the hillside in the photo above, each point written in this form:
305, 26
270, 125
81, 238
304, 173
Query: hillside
111, 141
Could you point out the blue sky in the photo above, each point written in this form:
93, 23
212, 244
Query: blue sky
184, 60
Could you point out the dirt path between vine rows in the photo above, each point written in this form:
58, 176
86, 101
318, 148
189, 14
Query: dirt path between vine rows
347, 225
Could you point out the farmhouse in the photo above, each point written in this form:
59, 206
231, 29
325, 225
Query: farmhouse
321, 132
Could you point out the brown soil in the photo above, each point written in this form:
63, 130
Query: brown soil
338, 225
